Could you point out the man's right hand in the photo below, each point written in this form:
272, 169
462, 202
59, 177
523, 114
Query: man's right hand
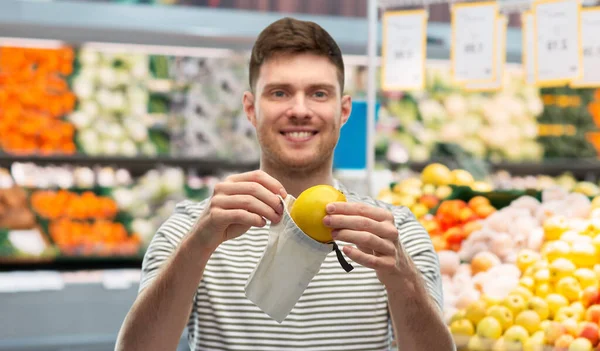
239, 202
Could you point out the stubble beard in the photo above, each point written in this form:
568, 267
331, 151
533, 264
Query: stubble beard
282, 163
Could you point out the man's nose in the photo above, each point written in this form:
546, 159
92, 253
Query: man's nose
300, 108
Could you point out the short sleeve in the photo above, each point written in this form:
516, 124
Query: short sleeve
416, 242
167, 238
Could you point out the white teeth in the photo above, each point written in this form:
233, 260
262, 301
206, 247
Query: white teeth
299, 134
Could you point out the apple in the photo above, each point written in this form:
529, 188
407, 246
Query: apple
531, 270
489, 328
475, 311
597, 266
580, 344
592, 314
590, 296
543, 290
523, 291
516, 303
583, 254
535, 342
477, 343
544, 324
527, 257
578, 306
586, 277
567, 312
561, 267
540, 306
596, 244
554, 227
503, 314
556, 301
572, 327
462, 327
589, 331
460, 314
563, 342
556, 249
516, 334
569, 236
569, 287
542, 276
504, 345
490, 300
553, 331
528, 283
529, 320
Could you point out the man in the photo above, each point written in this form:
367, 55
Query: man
196, 267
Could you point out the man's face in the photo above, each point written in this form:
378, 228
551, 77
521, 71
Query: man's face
297, 111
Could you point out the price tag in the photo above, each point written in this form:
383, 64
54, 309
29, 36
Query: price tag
590, 42
472, 52
528, 58
404, 50
557, 48
500, 51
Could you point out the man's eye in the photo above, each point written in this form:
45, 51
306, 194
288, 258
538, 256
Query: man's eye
321, 94
279, 93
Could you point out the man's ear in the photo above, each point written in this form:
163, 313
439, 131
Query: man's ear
249, 107
346, 108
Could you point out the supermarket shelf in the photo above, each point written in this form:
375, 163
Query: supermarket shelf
579, 168
80, 316
64, 264
184, 27
136, 165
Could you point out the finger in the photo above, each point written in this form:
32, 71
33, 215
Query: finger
248, 203
360, 209
363, 224
365, 250
368, 241
261, 177
237, 216
250, 188
362, 258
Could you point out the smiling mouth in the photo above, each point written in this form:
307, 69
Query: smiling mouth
299, 136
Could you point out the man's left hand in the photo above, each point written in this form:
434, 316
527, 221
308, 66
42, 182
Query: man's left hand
374, 233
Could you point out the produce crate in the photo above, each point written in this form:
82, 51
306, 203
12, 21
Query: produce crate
498, 198
11, 255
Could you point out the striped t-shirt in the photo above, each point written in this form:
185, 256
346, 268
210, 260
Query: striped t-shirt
338, 310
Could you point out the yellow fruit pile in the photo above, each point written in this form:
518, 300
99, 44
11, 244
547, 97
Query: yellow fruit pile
556, 303
423, 193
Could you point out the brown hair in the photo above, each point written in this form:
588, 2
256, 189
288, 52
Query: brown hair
292, 36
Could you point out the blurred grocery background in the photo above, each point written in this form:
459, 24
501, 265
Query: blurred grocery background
113, 111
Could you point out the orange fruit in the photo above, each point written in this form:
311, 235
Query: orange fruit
484, 211
478, 201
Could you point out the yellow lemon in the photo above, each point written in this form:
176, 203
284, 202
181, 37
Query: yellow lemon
461, 177
308, 211
436, 174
